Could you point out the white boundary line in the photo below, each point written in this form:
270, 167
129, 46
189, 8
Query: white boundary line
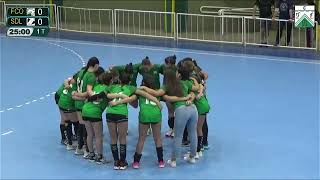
6, 133
166, 49
52, 93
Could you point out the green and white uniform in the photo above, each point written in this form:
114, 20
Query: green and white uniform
186, 86
202, 105
120, 109
92, 111
155, 72
84, 78
58, 93
149, 111
66, 103
61, 88
133, 79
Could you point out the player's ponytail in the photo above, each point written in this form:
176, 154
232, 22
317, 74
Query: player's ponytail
170, 60
91, 63
148, 81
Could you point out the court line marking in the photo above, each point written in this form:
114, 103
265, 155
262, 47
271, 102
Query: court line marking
6, 133
167, 49
83, 62
70, 50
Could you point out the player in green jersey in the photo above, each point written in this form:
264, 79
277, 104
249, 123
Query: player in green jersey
62, 124
178, 89
203, 108
85, 80
149, 115
117, 116
67, 113
131, 69
65, 103
91, 114
153, 70
192, 65
170, 64
117, 119
202, 105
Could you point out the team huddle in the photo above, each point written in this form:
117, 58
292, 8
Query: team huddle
83, 98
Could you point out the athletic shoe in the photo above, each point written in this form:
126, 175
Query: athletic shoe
70, 147
190, 159
136, 165
78, 151
206, 147
90, 156
149, 132
200, 153
161, 164
172, 163
116, 165
186, 155
64, 142
170, 133
100, 160
185, 143
123, 164
74, 138
85, 152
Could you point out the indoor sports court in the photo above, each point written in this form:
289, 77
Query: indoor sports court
264, 98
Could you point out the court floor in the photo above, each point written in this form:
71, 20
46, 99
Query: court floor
264, 121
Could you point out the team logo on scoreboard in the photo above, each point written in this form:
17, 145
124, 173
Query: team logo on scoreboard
31, 21
31, 11
304, 16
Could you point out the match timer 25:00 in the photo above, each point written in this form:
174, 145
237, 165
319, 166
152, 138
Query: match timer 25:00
27, 31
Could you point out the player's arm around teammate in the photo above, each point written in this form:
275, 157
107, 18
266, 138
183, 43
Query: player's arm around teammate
67, 113
149, 115
170, 63
85, 79
180, 85
117, 120
92, 116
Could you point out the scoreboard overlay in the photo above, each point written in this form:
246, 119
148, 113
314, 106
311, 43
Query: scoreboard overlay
28, 21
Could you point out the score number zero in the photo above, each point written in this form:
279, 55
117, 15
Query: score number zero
35, 22
17, 21
28, 11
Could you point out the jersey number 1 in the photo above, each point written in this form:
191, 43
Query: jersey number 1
150, 102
